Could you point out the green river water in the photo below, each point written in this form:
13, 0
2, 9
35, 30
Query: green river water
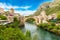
40, 34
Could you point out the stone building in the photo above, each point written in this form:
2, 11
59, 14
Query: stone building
43, 17
22, 20
9, 14
1, 10
10, 18
52, 16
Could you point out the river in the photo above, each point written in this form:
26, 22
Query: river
40, 34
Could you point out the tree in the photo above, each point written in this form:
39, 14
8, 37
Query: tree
3, 17
12, 34
58, 17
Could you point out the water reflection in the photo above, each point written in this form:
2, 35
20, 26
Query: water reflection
40, 34
44, 35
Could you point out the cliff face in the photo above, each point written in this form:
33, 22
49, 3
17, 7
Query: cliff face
49, 7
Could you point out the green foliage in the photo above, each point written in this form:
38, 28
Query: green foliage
12, 34
14, 24
50, 26
43, 25
3, 17
28, 34
30, 20
58, 17
52, 10
15, 19
35, 37
2, 27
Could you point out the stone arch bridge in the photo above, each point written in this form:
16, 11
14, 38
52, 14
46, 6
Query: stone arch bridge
37, 19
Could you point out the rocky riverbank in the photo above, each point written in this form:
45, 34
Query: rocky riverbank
51, 28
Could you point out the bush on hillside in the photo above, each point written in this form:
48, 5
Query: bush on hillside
3, 17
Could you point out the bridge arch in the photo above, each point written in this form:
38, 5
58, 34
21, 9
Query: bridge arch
30, 19
36, 18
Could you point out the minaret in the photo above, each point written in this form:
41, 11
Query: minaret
11, 10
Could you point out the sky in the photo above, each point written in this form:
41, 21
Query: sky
24, 7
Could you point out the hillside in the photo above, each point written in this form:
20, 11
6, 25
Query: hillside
49, 7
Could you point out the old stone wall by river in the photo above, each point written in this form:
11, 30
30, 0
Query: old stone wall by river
40, 34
